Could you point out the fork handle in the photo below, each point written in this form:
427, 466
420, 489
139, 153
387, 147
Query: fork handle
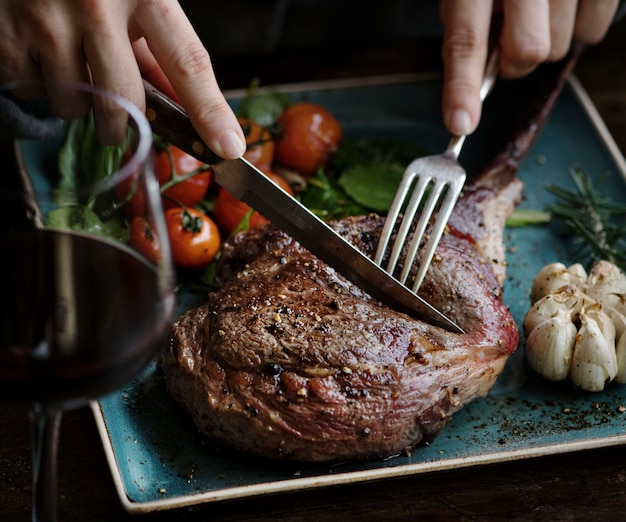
491, 73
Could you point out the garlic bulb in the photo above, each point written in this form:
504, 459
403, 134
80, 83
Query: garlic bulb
576, 327
554, 276
619, 320
550, 346
567, 298
607, 285
594, 361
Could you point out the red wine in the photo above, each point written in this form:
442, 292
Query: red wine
79, 316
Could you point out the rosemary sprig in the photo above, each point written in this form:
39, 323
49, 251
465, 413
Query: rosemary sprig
599, 222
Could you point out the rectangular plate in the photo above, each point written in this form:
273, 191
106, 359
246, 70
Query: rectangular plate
159, 460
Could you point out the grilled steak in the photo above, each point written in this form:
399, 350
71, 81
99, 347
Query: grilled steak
290, 360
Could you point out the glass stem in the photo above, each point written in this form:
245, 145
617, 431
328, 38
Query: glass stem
45, 422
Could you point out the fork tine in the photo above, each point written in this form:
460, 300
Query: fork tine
453, 190
392, 215
447, 178
420, 228
407, 220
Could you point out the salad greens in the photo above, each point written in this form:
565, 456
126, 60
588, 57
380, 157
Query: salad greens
83, 160
325, 197
362, 178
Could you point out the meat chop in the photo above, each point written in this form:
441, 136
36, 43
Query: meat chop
290, 360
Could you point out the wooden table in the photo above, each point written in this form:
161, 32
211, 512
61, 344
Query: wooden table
587, 485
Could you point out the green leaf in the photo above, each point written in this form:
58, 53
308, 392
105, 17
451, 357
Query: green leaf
327, 200
83, 159
244, 224
116, 228
265, 109
373, 185
207, 276
80, 218
88, 150
97, 160
76, 218
68, 164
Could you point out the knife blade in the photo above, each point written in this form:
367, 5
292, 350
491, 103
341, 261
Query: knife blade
244, 181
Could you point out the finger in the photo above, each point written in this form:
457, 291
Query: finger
151, 70
113, 67
525, 40
593, 20
16, 62
464, 54
186, 63
26, 70
562, 19
61, 60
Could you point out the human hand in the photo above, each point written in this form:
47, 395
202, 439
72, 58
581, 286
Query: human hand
110, 43
533, 31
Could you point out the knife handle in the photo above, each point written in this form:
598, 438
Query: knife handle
170, 122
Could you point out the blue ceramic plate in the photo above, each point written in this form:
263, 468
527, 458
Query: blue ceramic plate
158, 459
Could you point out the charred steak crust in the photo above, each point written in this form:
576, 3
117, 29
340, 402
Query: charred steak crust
290, 360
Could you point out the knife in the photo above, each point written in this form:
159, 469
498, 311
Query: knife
244, 181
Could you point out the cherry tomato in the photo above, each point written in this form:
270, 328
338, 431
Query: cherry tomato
230, 211
310, 134
143, 239
194, 237
260, 145
178, 189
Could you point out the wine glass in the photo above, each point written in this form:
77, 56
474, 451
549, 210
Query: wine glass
86, 275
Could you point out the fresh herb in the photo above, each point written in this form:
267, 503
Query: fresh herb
263, 108
83, 159
599, 222
373, 185
363, 178
525, 217
325, 197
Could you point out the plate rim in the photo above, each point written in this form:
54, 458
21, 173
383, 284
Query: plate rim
342, 479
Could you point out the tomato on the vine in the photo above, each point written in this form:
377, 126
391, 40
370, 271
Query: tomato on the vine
194, 237
229, 211
260, 144
144, 240
184, 180
310, 134
185, 183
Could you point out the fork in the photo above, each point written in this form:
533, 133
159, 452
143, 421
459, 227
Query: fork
445, 177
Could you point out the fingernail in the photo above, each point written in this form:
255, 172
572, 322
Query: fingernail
460, 123
232, 145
